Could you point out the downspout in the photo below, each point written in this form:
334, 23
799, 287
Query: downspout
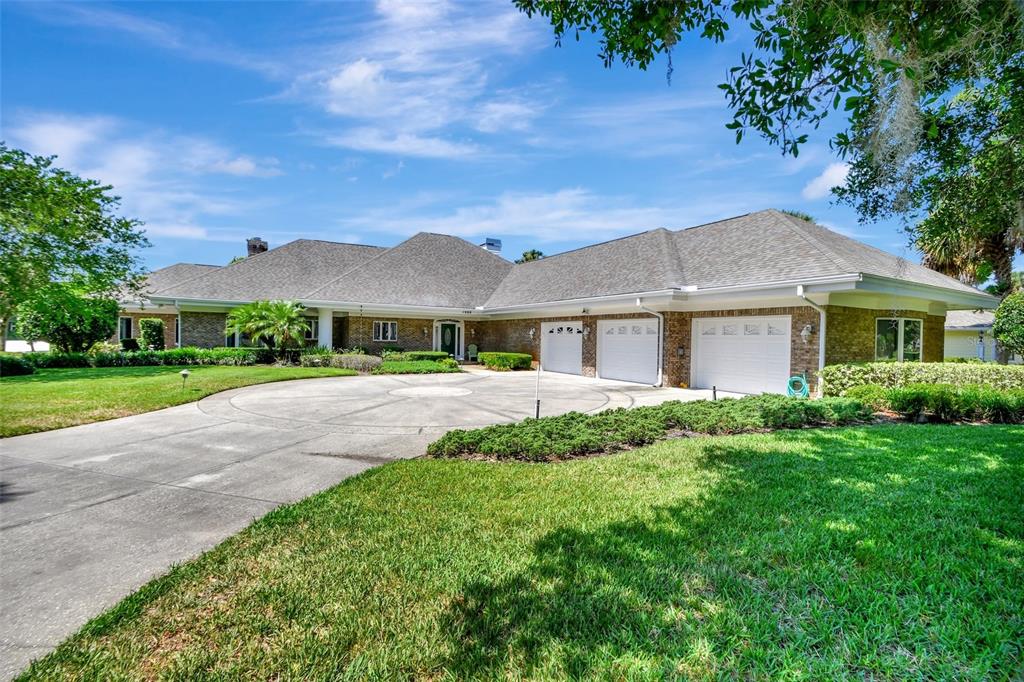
821, 333
661, 335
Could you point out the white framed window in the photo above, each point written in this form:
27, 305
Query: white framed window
898, 339
385, 330
313, 330
124, 328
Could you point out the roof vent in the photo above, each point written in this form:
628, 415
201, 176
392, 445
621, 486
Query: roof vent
492, 245
255, 245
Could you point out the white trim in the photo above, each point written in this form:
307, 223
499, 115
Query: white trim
373, 331
460, 337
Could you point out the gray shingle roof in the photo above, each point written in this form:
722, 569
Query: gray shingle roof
642, 262
288, 271
438, 270
175, 274
969, 319
425, 270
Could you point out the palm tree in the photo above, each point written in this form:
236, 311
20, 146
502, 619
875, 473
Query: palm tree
278, 324
532, 254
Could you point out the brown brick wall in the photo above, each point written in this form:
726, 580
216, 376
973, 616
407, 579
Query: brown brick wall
205, 330
678, 328
137, 332
850, 335
359, 332
513, 335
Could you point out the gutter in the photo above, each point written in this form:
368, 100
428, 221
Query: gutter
661, 338
821, 331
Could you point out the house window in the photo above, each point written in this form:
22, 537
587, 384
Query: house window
385, 331
313, 330
177, 331
231, 340
898, 339
124, 328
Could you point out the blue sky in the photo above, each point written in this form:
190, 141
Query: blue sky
370, 122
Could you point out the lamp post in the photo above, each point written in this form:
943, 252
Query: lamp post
184, 375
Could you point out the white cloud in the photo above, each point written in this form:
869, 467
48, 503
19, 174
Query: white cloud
416, 75
162, 178
834, 175
403, 144
501, 116
189, 42
567, 214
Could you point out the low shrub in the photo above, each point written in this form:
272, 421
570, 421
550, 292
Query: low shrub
129, 345
949, 403
872, 395
502, 362
57, 360
575, 434
15, 366
426, 355
172, 356
837, 379
356, 361
387, 351
316, 350
417, 367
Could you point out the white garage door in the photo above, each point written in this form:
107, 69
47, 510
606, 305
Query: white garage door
627, 350
561, 347
741, 354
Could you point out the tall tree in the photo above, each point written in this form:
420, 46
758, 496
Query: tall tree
71, 322
532, 254
59, 229
923, 85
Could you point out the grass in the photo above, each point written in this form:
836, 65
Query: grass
885, 552
55, 398
413, 367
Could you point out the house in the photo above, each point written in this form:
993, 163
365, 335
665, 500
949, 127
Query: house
741, 304
969, 335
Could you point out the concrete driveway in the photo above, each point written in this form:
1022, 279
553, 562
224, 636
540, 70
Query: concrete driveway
90, 513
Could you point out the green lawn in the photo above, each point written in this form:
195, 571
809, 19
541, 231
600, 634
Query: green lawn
55, 398
887, 552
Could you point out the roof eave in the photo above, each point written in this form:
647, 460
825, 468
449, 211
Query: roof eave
953, 298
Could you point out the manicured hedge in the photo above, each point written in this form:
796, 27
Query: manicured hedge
426, 355
574, 434
14, 366
837, 379
151, 333
357, 361
446, 365
948, 403
172, 356
505, 361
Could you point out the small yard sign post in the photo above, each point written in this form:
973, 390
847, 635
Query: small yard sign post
184, 375
536, 394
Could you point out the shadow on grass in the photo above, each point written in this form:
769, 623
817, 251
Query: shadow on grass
851, 552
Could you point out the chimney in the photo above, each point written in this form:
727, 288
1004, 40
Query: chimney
492, 245
255, 245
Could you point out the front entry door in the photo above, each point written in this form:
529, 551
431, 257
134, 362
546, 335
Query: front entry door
448, 343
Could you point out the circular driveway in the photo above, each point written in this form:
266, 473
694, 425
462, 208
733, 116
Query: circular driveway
414, 404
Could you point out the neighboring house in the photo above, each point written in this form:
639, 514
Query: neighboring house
741, 304
969, 335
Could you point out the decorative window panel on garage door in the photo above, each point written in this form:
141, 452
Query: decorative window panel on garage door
742, 354
627, 350
561, 347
